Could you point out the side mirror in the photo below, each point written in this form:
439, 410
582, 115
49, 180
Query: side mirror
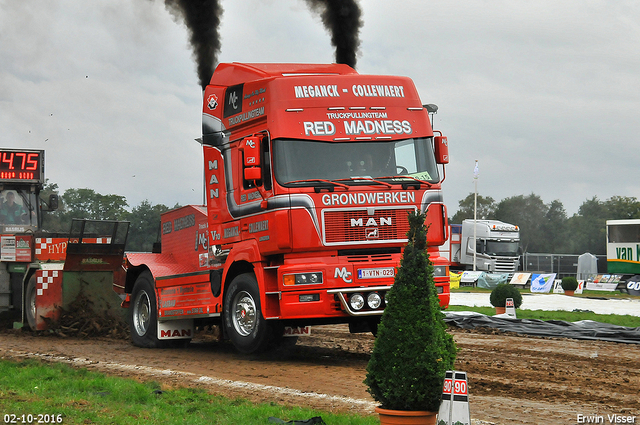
53, 202
253, 173
441, 146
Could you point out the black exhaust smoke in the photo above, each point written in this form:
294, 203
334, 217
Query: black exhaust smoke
342, 18
202, 18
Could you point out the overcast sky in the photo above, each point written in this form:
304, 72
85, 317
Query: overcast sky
545, 94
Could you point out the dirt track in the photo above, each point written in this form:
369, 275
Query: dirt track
512, 379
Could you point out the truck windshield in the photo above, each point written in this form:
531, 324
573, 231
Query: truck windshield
504, 248
305, 160
621, 233
18, 209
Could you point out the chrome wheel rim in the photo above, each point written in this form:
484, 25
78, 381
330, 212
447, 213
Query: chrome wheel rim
141, 313
244, 313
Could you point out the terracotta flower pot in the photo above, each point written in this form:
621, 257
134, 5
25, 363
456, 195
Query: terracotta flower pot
568, 292
501, 310
405, 417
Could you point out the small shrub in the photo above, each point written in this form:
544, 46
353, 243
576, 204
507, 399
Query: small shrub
413, 350
569, 283
500, 293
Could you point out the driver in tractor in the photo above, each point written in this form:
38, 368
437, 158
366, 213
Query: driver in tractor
12, 212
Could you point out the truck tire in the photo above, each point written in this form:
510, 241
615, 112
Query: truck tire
30, 303
244, 324
143, 313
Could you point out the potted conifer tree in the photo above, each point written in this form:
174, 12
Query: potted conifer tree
413, 350
499, 295
569, 285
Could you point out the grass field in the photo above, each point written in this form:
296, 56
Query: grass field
33, 392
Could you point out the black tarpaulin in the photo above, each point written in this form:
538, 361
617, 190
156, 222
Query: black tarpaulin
584, 329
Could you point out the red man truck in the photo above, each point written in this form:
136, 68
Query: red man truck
310, 172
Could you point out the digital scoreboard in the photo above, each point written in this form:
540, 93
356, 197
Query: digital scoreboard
21, 165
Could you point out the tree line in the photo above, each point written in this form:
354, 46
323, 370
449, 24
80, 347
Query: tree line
144, 219
546, 228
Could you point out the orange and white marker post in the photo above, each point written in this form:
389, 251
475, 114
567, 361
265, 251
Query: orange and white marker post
510, 308
454, 408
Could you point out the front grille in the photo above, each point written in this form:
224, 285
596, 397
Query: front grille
352, 226
369, 258
505, 266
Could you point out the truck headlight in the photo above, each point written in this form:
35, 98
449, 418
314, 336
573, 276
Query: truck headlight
374, 300
302, 278
356, 301
439, 271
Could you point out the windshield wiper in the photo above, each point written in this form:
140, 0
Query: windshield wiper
365, 179
408, 184
323, 184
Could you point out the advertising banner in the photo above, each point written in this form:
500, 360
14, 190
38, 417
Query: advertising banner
470, 277
542, 282
603, 282
633, 285
8, 248
520, 278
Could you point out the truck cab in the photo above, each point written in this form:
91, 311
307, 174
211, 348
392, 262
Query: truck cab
310, 172
495, 245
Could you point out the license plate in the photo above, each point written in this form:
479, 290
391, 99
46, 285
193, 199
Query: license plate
376, 273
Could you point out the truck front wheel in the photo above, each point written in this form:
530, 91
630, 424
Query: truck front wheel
143, 313
246, 327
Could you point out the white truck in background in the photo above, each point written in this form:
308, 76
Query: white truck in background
497, 246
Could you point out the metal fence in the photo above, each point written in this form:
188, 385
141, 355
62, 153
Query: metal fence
561, 264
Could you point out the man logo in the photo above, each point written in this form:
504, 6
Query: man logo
358, 222
372, 233
176, 333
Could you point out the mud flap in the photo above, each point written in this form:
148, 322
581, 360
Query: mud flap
296, 331
176, 329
